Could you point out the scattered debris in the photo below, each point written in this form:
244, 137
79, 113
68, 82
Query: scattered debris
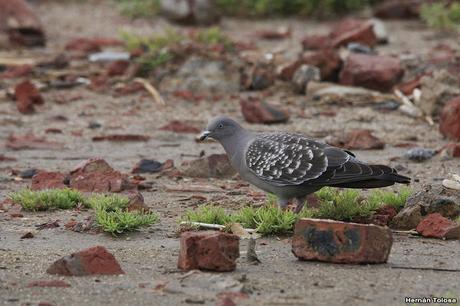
258, 76
257, 111
202, 12
396, 9
214, 165
151, 90
371, 71
431, 199
437, 226
178, 126
27, 96
48, 283
453, 183
208, 250
48, 180
438, 89
121, 137
27, 235
93, 261
48, 225
23, 27
449, 124
96, 175
30, 142
420, 154
109, 56
341, 242
147, 166
359, 139
303, 75
251, 255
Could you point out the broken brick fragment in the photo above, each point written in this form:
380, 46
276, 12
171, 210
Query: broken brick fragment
48, 180
27, 96
341, 242
92, 261
48, 283
436, 226
208, 250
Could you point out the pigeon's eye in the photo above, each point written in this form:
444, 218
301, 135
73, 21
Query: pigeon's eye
220, 126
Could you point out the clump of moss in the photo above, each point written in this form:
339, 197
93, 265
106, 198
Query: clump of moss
111, 211
138, 8
47, 199
341, 205
442, 15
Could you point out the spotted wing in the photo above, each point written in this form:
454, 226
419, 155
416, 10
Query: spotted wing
286, 159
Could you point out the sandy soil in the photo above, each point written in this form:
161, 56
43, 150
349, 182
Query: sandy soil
417, 267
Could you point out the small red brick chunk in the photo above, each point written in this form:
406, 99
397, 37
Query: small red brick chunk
341, 242
48, 283
208, 250
449, 123
27, 95
48, 180
437, 226
92, 261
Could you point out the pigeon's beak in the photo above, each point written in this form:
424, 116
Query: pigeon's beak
204, 135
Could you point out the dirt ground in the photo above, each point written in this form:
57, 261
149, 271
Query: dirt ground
417, 267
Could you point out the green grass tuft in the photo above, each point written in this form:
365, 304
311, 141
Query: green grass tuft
47, 199
341, 205
441, 15
110, 210
138, 8
398, 199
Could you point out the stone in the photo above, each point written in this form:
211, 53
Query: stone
352, 30
178, 126
49, 283
28, 235
371, 71
147, 166
19, 22
96, 175
316, 42
303, 75
341, 242
17, 71
121, 137
256, 111
202, 12
136, 201
383, 215
214, 165
398, 9
27, 174
449, 123
203, 75
92, 261
30, 142
208, 250
257, 76
438, 89
27, 96
328, 61
451, 150
117, 68
380, 30
420, 154
437, 226
358, 139
48, 180
430, 199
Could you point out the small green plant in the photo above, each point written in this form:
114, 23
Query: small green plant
213, 36
47, 199
208, 213
398, 199
110, 210
441, 15
138, 8
118, 221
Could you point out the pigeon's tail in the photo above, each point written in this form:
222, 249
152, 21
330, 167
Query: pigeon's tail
380, 176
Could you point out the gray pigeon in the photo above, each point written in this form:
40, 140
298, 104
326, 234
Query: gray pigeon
292, 166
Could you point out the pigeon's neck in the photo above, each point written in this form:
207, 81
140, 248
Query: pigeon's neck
234, 143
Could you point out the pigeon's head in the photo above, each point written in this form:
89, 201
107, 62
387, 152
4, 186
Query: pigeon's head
220, 128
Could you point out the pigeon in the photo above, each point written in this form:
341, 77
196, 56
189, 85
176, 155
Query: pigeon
292, 166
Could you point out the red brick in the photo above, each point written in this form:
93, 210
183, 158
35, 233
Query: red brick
48, 283
341, 242
208, 250
256, 111
437, 226
27, 95
48, 180
449, 124
93, 261
371, 71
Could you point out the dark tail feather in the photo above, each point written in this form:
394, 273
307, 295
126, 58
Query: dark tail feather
388, 178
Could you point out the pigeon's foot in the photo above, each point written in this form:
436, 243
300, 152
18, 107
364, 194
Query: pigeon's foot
300, 201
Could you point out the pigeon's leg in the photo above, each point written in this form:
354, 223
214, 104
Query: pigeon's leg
282, 203
300, 203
